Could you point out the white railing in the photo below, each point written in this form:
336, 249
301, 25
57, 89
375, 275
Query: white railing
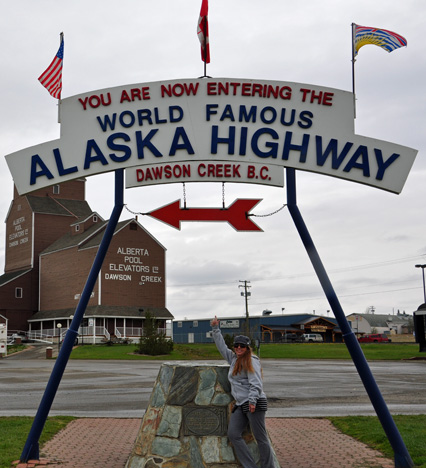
97, 331
106, 333
129, 331
135, 331
86, 332
43, 334
60, 332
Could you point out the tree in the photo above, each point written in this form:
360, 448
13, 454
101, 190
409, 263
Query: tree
410, 324
229, 340
152, 342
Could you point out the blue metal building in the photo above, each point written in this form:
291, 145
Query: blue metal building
266, 328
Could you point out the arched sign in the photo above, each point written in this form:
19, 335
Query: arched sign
211, 129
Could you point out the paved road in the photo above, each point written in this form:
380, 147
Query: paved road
295, 388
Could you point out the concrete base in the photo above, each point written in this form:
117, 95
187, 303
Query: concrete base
186, 421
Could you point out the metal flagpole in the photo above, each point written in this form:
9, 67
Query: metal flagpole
402, 457
353, 67
31, 448
205, 46
61, 38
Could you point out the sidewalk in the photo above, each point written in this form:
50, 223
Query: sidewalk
298, 443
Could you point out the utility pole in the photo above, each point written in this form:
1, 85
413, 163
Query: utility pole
246, 294
423, 272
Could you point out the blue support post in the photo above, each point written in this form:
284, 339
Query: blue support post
31, 448
402, 457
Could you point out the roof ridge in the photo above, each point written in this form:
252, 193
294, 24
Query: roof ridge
61, 205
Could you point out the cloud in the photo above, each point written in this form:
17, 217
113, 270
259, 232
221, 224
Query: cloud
369, 240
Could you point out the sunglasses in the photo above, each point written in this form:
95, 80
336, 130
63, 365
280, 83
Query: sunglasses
239, 345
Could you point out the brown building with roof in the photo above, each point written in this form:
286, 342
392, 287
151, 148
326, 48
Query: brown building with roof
292, 327
52, 237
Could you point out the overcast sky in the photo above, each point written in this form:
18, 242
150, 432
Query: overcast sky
369, 240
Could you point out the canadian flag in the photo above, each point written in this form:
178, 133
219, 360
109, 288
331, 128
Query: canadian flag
203, 32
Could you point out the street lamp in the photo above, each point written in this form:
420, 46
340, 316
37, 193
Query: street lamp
59, 326
423, 273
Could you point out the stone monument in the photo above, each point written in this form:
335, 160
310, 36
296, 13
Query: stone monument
186, 421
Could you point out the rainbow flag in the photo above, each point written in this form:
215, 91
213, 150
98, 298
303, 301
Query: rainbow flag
387, 40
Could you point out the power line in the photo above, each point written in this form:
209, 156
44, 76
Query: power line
301, 275
307, 298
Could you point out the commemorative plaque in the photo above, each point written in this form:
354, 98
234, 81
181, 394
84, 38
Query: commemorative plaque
204, 421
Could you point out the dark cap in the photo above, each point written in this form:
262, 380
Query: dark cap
241, 339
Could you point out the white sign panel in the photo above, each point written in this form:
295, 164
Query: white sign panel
205, 171
229, 324
3, 338
230, 121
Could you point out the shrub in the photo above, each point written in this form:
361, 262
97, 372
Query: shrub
229, 340
152, 342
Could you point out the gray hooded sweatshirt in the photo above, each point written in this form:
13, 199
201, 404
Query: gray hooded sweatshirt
245, 386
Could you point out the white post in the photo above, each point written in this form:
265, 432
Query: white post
3, 337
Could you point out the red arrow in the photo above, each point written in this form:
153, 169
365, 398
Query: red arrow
236, 215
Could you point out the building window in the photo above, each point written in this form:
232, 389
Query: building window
133, 227
179, 324
195, 323
56, 190
95, 219
77, 228
19, 208
19, 293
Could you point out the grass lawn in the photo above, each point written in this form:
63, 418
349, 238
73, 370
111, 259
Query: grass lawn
15, 348
120, 352
368, 429
376, 351
373, 351
14, 432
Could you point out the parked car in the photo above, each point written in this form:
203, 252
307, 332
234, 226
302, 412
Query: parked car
20, 334
292, 338
374, 338
312, 338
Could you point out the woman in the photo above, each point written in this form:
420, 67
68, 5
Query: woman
250, 400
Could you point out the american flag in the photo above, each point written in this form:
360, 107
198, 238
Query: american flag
51, 78
203, 32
